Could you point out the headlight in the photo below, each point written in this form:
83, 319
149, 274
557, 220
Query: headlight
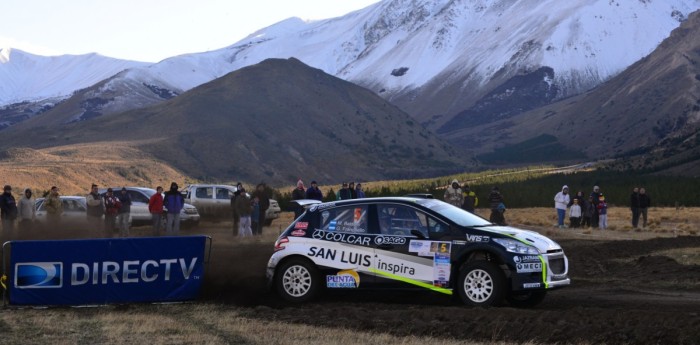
515, 246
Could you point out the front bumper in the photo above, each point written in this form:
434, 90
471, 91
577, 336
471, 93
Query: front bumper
554, 274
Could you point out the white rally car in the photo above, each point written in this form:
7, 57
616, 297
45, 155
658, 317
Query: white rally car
413, 243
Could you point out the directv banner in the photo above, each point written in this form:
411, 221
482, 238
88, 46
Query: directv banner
101, 271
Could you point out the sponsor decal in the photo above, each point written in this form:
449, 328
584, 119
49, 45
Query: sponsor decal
325, 206
478, 238
301, 225
362, 240
441, 269
298, 233
346, 279
440, 247
392, 268
358, 214
351, 258
528, 267
526, 258
531, 285
459, 243
419, 246
39, 275
381, 239
50, 274
332, 225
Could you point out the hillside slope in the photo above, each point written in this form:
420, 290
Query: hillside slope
275, 121
651, 111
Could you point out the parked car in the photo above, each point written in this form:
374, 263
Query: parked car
74, 210
413, 243
214, 201
189, 216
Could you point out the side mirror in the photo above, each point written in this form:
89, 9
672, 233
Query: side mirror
418, 234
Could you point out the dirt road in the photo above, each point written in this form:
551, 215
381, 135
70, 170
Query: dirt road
622, 292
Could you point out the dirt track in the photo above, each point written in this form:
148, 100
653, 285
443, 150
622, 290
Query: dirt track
621, 293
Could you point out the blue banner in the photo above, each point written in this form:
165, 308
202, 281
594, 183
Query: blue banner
101, 271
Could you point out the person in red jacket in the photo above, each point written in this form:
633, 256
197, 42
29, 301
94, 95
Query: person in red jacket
155, 207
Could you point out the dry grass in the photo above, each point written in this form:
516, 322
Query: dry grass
662, 222
74, 168
178, 324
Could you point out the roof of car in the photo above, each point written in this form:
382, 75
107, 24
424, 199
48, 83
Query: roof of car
399, 199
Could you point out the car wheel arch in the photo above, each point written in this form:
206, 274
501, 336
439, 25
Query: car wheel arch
480, 254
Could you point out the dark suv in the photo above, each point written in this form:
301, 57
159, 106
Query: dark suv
413, 243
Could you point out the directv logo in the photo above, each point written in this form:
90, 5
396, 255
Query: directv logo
39, 275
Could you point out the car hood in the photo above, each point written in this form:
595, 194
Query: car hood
543, 243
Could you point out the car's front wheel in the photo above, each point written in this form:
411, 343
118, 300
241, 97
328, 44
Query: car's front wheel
481, 284
297, 280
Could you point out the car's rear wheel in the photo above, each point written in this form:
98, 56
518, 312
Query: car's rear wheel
526, 299
481, 284
297, 280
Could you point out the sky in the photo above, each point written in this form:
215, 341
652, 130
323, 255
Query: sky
148, 30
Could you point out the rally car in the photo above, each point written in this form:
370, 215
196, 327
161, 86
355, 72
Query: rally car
413, 242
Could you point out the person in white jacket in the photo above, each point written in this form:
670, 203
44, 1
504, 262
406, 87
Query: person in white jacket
26, 211
575, 214
561, 201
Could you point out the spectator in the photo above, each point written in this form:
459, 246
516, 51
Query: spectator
453, 194
53, 206
581, 200
359, 193
173, 202
595, 195
263, 202
255, 215
95, 208
8, 209
351, 188
298, 194
244, 209
497, 207
26, 211
112, 206
124, 212
575, 214
644, 204
344, 193
588, 211
236, 216
313, 192
155, 207
561, 200
634, 206
602, 213
471, 201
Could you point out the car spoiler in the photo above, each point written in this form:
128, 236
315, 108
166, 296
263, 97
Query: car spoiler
307, 202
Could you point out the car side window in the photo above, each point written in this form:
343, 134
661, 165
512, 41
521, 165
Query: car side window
137, 197
437, 228
204, 193
223, 193
400, 220
345, 219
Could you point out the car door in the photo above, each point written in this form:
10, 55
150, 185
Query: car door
139, 207
222, 199
407, 254
203, 200
344, 250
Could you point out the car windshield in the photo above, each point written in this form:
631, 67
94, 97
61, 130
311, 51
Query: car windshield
456, 214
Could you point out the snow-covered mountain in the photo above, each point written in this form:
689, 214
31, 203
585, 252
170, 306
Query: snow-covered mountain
29, 77
436, 59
